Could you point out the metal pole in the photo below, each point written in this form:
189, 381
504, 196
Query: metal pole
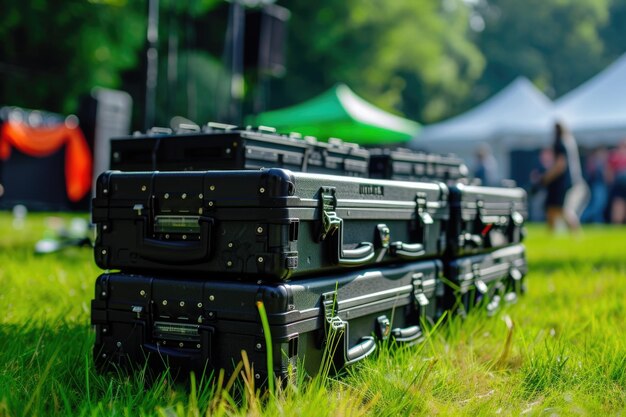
260, 99
236, 81
152, 58
172, 65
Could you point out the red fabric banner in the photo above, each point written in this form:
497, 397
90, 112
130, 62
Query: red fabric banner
43, 141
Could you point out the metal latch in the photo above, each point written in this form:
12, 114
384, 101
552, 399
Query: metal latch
517, 218
516, 274
480, 221
421, 209
423, 217
137, 310
478, 282
384, 235
418, 290
383, 327
480, 208
481, 287
138, 208
330, 220
329, 304
515, 225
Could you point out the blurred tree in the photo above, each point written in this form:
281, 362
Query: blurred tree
405, 56
555, 43
419, 58
55, 50
614, 33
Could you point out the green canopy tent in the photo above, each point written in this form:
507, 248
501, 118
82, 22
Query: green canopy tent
341, 114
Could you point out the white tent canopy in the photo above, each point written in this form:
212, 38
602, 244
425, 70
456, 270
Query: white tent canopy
519, 116
596, 110
520, 107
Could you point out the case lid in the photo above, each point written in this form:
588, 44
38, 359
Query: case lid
200, 192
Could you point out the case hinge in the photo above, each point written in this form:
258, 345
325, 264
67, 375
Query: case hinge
328, 205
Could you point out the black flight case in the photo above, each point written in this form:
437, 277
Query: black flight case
408, 165
485, 218
203, 325
227, 147
270, 223
487, 279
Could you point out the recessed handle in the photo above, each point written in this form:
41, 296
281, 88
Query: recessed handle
175, 252
167, 352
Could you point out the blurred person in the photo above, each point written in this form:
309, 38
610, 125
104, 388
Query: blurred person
537, 194
486, 168
565, 186
616, 176
577, 196
595, 173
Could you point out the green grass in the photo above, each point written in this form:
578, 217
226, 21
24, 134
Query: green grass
561, 350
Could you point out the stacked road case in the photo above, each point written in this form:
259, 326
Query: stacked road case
221, 146
485, 260
407, 165
340, 261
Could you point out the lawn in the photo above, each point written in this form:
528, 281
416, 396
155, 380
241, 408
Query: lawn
561, 350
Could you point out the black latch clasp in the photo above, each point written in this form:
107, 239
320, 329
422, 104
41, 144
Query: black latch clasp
422, 216
421, 209
420, 298
329, 304
328, 205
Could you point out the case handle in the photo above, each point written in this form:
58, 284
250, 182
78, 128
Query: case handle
171, 352
203, 353
175, 252
407, 251
365, 346
335, 327
349, 355
358, 256
407, 334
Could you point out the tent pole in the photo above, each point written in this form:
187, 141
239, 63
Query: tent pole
152, 57
237, 24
